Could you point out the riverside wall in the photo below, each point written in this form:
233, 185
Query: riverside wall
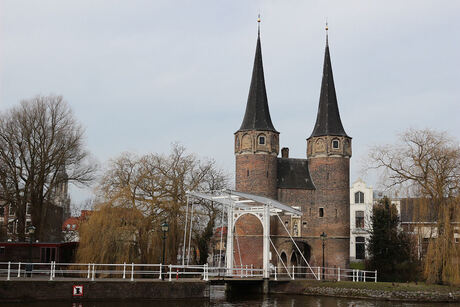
40, 290
378, 291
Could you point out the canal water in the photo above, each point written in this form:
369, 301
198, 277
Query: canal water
218, 298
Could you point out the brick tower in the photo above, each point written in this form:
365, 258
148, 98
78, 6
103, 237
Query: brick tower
257, 141
256, 151
328, 153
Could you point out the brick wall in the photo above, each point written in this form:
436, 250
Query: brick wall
256, 174
332, 181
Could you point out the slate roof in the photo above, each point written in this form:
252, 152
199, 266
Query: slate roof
328, 119
257, 116
418, 210
294, 174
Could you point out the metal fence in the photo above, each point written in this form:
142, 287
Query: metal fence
94, 271
131, 271
324, 273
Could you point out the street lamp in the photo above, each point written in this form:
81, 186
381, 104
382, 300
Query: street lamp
31, 230
323, 238
164, 228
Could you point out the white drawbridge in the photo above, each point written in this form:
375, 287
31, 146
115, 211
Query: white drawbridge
238, 204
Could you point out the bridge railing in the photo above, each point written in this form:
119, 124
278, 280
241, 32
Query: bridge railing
170, 272
92, 271
324, 273
241, 271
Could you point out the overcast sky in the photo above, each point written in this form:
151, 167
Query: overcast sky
140, 75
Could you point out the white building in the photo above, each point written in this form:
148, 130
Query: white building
362, 200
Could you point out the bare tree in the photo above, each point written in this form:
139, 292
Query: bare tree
427, 162
38, 139
154, 186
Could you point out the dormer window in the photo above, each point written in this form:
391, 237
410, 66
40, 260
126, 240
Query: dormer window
335, 144
261, 140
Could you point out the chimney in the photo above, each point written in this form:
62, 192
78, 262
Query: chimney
285, 152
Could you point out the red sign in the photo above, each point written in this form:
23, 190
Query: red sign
77, 290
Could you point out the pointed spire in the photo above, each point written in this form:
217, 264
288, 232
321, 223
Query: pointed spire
328, 119
257, 116
258, 26
61, 172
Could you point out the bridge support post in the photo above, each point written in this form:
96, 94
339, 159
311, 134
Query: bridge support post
266, 242
265, 286
229, 251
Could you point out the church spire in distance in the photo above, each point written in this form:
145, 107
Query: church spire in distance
328, 119
257, 115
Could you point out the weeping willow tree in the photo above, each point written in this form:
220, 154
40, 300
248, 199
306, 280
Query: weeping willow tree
139, 194
427, 164
114, 235
443, 255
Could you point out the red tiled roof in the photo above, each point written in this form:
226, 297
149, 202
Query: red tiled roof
75, 221
71, 221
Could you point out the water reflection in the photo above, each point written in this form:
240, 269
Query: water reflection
218, 298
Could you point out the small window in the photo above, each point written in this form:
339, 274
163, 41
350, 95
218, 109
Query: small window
310, 211
261, 140
2, 211
359, 219
68, 226
321, 212
11, 210
359, 197
335, 144
304, 223
336, 213
28, 209
286, 223
2, 250
247, 174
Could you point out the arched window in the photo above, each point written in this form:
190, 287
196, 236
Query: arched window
293, 259
360, 247
359, 197
262, 139
283, 259
335, 144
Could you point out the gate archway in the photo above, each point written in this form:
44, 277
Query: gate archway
239, 204
248, 236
